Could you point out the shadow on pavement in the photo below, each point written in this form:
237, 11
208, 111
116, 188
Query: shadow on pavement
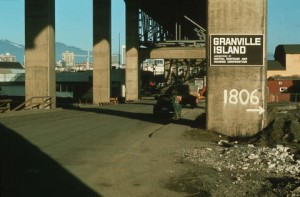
140, 116
200, 121
140, 103
27, 171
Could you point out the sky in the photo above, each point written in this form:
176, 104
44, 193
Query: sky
74, 22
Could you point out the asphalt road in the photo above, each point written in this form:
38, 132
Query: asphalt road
112, 150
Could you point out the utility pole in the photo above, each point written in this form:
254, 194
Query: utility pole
119, 58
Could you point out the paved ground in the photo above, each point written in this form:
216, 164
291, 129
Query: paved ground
117, 150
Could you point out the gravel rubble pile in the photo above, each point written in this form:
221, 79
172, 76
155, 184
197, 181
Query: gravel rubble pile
277, 160
245, 169
267, 164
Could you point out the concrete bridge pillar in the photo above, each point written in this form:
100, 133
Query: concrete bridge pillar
236, 55
102, 50
40, 49
132, 50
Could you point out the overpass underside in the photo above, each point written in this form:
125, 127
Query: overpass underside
155, 29
175, 30
169, 30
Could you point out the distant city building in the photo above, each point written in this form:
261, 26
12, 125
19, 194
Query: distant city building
115, 59
7, 57
68, 59
123, 55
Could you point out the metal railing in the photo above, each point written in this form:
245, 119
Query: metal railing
5, 105
38, 102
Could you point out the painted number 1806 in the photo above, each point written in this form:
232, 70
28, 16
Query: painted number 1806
243, 97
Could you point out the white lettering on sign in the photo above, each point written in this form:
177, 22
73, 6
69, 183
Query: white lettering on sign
237, 41
230, 50
243, 97
234, 45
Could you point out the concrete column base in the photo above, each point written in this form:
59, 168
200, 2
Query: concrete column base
40, 49
102, 50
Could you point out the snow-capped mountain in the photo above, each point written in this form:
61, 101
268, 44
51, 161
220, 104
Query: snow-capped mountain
15, 49
18, 50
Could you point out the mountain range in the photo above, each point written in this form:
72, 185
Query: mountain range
18, 50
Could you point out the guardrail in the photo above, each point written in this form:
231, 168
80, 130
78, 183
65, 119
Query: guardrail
38, 102
5, 105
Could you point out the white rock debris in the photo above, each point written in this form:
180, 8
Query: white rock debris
277, 160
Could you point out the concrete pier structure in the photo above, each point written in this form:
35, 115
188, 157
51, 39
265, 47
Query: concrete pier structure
102, 50
132, 75
236, 78
40, 49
